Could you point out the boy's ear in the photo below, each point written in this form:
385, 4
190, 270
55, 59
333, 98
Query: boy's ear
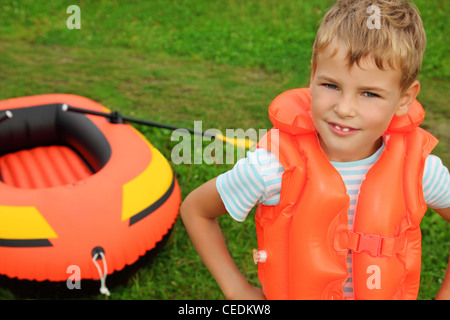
408, 98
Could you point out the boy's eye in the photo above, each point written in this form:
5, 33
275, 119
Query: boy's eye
370, 94
330, 86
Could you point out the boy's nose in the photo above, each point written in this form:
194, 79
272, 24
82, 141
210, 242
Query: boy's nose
345, 108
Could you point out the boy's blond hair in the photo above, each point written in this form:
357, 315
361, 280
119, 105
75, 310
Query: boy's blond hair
398, 42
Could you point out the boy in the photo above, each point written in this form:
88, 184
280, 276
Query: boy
362, 120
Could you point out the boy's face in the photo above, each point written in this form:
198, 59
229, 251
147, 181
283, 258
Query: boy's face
352, 108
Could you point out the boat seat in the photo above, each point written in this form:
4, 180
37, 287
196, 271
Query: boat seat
43, 167
43, 147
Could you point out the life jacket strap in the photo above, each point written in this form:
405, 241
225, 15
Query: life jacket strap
375, 245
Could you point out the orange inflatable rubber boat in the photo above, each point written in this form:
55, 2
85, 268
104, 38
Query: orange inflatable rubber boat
77, 191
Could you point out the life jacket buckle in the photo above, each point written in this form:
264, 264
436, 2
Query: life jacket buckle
375, 245
371, 243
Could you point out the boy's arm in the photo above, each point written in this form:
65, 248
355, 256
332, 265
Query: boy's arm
199, 212
444, 292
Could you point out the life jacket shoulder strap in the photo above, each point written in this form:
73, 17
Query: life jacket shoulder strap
286, 149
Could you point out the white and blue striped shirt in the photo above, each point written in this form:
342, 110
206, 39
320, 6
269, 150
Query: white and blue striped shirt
257, 179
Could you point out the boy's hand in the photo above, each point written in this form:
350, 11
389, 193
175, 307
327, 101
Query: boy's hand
248, 293
444, 292
257, 294
199, 212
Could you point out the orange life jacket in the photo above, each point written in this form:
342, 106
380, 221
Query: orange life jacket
303, 241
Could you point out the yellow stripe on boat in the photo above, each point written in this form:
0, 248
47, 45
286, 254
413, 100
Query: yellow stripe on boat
149, 186
24, 223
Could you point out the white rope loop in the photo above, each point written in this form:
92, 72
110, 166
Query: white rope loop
103, 288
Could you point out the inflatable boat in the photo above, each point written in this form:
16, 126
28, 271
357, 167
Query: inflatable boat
80, 195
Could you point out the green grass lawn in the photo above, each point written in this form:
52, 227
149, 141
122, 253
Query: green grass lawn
221, 62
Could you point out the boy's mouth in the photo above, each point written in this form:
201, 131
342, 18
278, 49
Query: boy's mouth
341, 130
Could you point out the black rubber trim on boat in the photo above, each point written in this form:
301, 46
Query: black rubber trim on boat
158, 203
25, 243
46, 125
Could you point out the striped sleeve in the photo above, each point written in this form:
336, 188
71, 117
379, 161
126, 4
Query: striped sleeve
436, 183
254, 179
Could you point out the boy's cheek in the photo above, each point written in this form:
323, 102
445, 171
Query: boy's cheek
321, 101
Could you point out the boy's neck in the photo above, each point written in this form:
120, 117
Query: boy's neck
378, 144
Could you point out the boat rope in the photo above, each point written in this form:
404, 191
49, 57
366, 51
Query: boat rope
103, 288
